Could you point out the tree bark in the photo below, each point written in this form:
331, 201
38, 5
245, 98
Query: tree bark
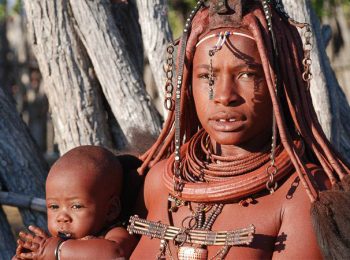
23, 170
7, 241
339, 49
156, 35
121, 83
7, 245
130, 31
329, 100
73, 92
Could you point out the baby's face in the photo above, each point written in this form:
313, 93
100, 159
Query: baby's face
75, 206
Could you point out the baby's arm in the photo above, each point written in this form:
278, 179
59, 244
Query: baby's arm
117, 243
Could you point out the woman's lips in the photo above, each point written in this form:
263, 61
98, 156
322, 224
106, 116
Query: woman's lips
229, 125
226, 122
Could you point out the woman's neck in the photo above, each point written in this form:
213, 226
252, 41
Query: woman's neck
259, 143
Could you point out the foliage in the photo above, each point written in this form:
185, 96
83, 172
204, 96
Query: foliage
326, 8
17, 7
178, 11
5, 10
3, 5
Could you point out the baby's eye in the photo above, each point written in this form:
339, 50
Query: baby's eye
77, 206
52, 206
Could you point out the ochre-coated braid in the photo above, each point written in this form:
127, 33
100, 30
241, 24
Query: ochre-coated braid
294, 115
269, 76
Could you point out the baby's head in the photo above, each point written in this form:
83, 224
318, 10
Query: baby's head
82, 192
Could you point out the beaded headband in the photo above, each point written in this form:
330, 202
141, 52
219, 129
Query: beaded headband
223, 36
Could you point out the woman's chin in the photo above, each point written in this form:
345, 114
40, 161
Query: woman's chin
226, 138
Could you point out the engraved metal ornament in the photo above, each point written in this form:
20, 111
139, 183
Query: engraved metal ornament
192, 253
225, 13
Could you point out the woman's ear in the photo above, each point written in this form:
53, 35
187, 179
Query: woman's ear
114, 208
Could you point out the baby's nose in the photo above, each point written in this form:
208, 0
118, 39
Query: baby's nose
63, 217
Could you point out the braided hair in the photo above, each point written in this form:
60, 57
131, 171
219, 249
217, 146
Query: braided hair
292, 105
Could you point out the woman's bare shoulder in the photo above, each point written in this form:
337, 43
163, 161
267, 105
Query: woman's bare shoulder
154, 186
296, 226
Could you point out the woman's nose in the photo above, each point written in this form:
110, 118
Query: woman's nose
225, 91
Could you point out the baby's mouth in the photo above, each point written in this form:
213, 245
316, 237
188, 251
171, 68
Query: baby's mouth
64, 234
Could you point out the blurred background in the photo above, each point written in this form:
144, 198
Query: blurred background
20, 75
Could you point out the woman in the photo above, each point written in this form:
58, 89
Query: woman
242, 149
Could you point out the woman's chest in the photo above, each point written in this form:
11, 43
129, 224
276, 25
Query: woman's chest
222, 219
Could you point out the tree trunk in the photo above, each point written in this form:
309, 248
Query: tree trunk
329, 100
7, 241
118, 75
72, 40
130, 31
156, 35
7, 245
339, 49
74, 94
23, 170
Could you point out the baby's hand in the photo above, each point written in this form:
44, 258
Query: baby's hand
31, 246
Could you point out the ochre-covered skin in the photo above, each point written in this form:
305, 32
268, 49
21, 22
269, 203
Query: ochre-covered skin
82, 195
282, 219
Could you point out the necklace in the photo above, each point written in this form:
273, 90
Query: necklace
226, 181
197, 238
212, 167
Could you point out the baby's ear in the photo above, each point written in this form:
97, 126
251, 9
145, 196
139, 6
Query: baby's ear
114, 208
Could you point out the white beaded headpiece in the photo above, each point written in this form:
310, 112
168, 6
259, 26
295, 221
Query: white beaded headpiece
222, 37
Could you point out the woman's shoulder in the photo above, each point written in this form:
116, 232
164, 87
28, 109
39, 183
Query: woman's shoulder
295, 216
154, 186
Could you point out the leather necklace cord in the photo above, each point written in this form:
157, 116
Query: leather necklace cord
231, 188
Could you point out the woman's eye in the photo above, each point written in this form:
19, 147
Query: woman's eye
203, 76
246, 75
77, 206
52, 206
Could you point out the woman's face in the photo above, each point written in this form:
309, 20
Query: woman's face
240, 112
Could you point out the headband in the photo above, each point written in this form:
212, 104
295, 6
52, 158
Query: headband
223, 36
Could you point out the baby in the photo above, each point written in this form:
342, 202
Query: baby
82, 197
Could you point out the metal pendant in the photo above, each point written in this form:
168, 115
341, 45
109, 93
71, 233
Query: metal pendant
192, 253
211, 93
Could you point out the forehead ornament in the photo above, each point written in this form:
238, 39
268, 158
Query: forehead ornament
223, 36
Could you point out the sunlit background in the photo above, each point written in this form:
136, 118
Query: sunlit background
19, 72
